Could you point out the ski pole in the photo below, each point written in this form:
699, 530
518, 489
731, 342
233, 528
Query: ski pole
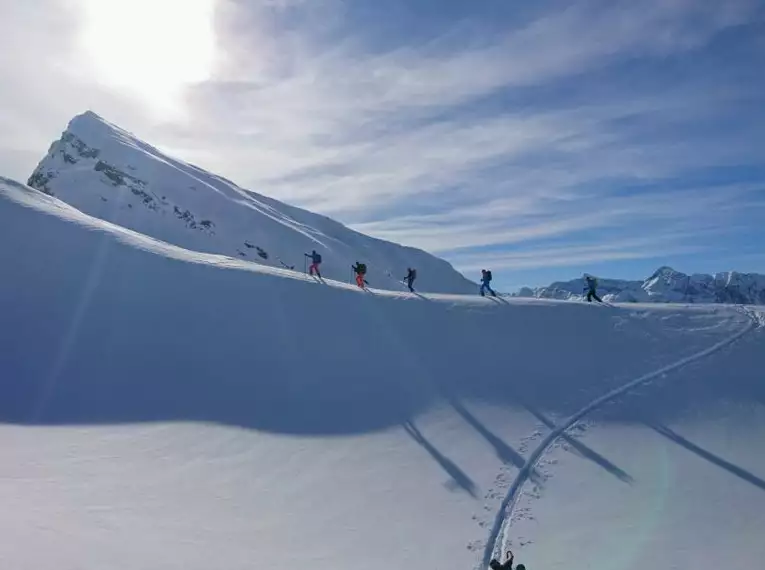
305, 262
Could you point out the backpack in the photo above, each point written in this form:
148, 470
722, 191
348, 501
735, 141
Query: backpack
488, 275
414, 273
361, 268
317, 258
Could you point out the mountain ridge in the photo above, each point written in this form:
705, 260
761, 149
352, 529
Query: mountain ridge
110, 173
665, 285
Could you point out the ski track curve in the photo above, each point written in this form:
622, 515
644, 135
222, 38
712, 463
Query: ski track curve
756, 320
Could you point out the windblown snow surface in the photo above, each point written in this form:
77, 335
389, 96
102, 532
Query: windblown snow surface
163, 408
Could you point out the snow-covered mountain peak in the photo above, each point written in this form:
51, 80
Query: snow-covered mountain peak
87, 138
95, 131
108, 172
665, 279
90, 123
665, 272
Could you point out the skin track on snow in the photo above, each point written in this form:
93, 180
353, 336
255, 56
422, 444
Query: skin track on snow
505, 512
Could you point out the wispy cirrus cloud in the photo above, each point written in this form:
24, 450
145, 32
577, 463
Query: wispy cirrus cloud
477, 133
513, 222
573, 255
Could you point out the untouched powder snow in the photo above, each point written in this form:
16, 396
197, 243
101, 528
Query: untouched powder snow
107, 172
166, 408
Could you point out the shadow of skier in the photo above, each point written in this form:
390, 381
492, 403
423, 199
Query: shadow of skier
459, 477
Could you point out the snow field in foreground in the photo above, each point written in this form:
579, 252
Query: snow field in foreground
168, 409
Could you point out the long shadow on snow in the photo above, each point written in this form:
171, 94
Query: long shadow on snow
459, 477
711, 457
506, 454
582, 450
97, 331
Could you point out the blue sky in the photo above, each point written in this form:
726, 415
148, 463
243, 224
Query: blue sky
539, 139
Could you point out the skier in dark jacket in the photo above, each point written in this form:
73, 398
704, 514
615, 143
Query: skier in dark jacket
592, 285
485, 280
507, 565
360, 269
411, 275
315, 262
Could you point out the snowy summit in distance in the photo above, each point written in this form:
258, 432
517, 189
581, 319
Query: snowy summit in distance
665, 286
109, 173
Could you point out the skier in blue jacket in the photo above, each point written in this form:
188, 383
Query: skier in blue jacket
315, 262
485, 280
592, 285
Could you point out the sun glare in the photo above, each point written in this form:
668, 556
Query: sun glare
153, 48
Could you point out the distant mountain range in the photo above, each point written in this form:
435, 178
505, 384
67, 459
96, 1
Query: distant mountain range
665, 286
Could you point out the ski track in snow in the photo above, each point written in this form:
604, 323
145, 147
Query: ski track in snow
506, 509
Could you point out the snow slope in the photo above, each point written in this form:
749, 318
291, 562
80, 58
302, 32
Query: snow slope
165, 408
108, 173
683, 485
666, 286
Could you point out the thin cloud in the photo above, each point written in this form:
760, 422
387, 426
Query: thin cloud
512, 222
571, 256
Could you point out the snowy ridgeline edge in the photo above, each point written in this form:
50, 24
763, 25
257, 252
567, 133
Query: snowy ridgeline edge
109, 173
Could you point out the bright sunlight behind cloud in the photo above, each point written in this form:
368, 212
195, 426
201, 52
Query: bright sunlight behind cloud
153, 48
